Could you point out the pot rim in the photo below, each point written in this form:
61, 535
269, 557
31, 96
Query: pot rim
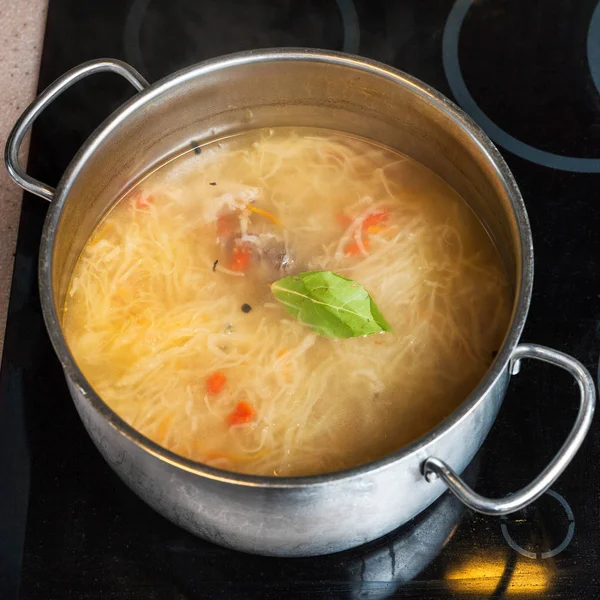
523, 284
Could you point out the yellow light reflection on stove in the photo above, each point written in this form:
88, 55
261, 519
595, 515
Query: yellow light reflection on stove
483, 575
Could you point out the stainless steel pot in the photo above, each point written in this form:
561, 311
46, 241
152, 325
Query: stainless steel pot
304, 515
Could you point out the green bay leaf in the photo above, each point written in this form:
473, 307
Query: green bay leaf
332, 305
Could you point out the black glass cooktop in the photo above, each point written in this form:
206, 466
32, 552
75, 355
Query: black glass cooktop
529, 73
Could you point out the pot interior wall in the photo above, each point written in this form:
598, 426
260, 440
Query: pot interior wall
211, 102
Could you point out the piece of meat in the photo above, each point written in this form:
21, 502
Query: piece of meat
279, 257
271, 250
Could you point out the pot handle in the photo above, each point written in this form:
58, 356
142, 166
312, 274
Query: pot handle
15, 139
434, 467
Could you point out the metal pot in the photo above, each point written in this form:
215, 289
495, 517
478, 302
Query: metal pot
303, 515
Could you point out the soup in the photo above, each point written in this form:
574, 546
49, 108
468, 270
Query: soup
185, 315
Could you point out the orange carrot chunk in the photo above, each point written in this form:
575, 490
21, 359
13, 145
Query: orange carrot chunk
375, 219
240, 259
215, 383
242, 413
353, 249
142, 201
226, 224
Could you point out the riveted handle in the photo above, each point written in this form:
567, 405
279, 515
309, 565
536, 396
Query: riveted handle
15, 139
434, 467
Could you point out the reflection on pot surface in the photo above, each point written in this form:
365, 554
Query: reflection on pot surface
392, 563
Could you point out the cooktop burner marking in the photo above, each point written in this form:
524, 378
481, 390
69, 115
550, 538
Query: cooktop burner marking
133, 25
593, 47
467, 102
548, 553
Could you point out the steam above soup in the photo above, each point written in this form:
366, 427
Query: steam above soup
177, 318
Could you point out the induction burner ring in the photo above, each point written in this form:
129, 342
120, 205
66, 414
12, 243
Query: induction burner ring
456, 81
133, 51
549, 553
593, 47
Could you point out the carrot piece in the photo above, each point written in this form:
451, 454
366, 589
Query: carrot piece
215, 383
240, 259
241, 414
353, 249
225, 225
264, 213
142, 201
375, 219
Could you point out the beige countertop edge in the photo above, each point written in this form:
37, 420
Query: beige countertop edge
22, 23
